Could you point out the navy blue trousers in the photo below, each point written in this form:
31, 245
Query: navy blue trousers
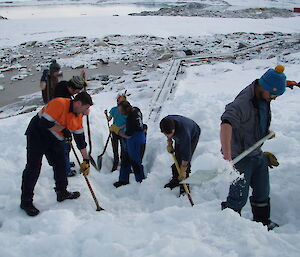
131, 157
256, 176
37, 147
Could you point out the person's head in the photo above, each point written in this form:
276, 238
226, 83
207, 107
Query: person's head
167, 126
54, 68
82, 103
75, 85
272, 84
121, 98
124, 108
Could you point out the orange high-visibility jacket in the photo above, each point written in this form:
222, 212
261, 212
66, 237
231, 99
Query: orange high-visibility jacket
60, 111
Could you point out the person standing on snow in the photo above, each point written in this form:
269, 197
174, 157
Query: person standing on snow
185, 133
120, 121
67, 89
245, 121
49, 81
134, 141
45, 134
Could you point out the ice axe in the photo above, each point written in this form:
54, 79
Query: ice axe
99, 158
187, 191
98, 207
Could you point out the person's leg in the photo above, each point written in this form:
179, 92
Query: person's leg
125, 166
174, 182
134, 145
239, 189
67, 159
115, 147
30, 175
260, 201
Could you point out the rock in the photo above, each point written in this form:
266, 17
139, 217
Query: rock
241, 45
165, 57
2, 18
101, 43
188, 52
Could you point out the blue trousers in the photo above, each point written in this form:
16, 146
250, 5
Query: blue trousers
67, 157
131, 157
256, 176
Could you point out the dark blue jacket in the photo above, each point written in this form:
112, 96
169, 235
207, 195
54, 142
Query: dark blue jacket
186, 131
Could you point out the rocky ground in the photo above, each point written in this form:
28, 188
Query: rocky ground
222, 10
115, 62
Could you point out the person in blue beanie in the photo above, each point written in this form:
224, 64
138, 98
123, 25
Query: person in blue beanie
245, 121
134, 140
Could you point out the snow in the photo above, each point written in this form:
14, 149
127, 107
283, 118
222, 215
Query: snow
46, 29
145, 219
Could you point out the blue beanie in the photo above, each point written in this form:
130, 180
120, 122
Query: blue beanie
274, 80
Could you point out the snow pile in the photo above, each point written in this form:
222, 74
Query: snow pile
145, 219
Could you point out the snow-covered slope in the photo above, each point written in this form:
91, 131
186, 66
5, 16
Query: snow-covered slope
145, 219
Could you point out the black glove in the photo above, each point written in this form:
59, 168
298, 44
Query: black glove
67, 135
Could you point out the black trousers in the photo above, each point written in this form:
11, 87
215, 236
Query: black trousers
115, 139
37, 147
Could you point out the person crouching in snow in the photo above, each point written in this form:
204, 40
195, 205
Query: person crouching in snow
120, 121
133, 144
185, 133
245, 121
45, 134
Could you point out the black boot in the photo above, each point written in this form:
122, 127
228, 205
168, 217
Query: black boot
172, 184
64, 195
120, 183
72, 164
261, 213
29, 208
224, 206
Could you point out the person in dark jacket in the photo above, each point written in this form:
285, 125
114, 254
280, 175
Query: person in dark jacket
134, 140
245, 121
185, 132
45, 134
67, 89
49, 81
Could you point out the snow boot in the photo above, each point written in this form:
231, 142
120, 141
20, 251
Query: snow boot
261, 213
72, 164
29, 208
172, 184
64, 195
120, 183
224, 206
71, 173
115, 165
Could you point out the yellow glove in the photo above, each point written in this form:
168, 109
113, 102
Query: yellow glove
272, 160
182, 173
114, 128
85, 167
170, 148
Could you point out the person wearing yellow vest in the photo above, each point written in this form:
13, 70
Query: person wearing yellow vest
45, 134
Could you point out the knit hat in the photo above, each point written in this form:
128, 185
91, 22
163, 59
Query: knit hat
54, 66
77, 82
274, 80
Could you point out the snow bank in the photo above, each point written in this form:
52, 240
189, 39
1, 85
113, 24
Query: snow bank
145, 219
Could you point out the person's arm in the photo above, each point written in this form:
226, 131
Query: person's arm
225, 137
109, 117
84, 154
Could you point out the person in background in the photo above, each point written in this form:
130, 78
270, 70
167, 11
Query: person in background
133, 144
67, 89
45, 134
120, 121
185, 132
49, 81
245, 121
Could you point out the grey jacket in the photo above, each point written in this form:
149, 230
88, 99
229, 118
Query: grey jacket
243, 115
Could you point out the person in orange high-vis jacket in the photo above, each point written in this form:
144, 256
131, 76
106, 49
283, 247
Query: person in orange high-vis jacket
46, 134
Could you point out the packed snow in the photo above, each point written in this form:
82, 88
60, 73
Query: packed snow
146, 219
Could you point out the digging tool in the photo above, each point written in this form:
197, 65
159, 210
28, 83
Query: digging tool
201, 176
187, 191
99, 158
98, 207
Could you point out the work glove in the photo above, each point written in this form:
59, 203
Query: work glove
272, 160
114, 128
182, 173
85, 167
67, 135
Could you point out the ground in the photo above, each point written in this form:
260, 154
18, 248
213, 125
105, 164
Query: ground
146, 219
